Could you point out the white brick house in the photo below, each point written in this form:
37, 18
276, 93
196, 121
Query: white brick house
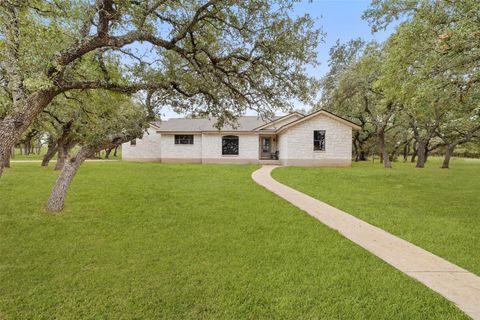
317, 139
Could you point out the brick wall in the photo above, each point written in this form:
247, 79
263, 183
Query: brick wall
147, 148
248, 151
298, 142
171, 151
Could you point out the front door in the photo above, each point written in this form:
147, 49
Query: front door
266, 147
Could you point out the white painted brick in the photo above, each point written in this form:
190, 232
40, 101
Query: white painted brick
147, 148
297, 142
170, 150
248, 146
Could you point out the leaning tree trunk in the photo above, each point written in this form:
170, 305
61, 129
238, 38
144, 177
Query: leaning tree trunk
422, 145
383, 150
56, 200
57, 197
62, 155
448, 155
52, 149
19, 119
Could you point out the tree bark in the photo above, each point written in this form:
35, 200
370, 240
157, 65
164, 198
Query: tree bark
422, 145
115, 152
19, 119
52, 149
7, 158
62, 155
383, 150
56, 201
448, 155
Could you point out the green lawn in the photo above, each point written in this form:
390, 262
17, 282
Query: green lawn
141, 240
436, 209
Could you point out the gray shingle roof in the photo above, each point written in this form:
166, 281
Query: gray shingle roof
245, 123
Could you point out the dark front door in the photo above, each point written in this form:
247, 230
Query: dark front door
266, 147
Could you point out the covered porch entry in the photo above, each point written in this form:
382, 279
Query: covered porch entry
268, 147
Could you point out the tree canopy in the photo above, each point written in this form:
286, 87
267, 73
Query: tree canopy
215, 58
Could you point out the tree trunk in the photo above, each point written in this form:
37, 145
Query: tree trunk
115, 152
415, 151
355, 150
59, 192
427, 152
52, 149
56, 201
448, 155
7, 158
19, 119
422, 145
363, 155
383, 150
107, 153
406, 149
62, 155
12, 153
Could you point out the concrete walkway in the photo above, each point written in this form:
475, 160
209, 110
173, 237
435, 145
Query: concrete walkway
454, 283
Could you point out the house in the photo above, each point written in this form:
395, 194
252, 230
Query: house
317, 139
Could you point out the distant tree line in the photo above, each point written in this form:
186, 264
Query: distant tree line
418, 93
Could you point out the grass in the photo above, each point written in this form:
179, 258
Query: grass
436, 209
141, 240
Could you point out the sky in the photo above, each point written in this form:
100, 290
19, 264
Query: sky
339, 19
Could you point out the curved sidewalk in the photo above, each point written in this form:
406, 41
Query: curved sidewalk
454, 283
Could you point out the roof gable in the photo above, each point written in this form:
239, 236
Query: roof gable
319, 113
280, 121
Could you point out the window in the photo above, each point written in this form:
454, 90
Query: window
133, 142
319, 140
184, 139
230, 145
